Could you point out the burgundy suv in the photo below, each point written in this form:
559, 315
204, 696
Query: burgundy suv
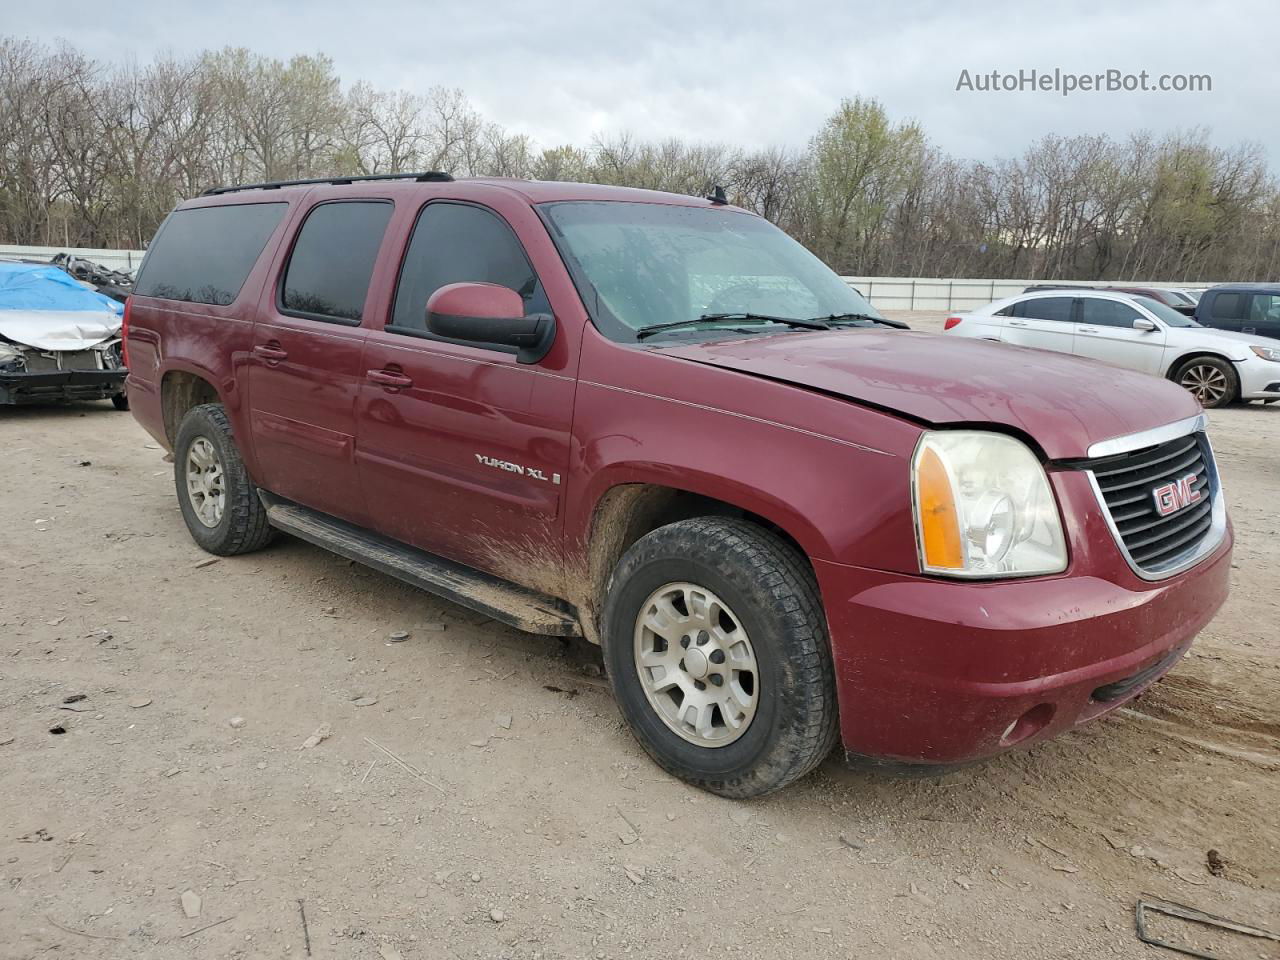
658, 422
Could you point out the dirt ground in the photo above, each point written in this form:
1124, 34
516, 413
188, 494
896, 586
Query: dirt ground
521, 820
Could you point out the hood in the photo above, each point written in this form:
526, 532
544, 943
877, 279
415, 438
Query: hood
43, 307
1063, 403
59, 329
1234, 345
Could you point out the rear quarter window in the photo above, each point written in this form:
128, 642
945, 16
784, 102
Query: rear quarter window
204, 254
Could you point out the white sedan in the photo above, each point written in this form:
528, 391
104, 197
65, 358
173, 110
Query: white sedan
1136, 332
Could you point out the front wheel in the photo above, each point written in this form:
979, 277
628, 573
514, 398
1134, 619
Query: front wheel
1213, 381
716, 644
219, 502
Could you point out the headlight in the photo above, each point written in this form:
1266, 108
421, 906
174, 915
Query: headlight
984, 508
1267, 353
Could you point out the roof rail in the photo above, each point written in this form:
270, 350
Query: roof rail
430, 176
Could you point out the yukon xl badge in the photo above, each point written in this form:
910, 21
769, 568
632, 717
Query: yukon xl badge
1172, 497
531, 472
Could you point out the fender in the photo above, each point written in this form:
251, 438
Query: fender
744, 496
1191, 353
231, 394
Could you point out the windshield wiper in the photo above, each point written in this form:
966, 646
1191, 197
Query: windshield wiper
816, 323
868, 318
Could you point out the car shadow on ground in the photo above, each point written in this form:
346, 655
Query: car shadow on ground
17, 413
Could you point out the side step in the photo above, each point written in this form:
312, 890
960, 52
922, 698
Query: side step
524, 609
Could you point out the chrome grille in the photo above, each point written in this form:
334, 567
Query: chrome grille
1128, 484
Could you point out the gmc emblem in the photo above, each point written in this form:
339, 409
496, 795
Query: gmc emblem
1172, 497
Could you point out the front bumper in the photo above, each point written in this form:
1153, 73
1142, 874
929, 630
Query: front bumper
46, 385
1259, 379
931, 671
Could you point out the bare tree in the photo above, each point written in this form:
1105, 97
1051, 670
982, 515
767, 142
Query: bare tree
94, 154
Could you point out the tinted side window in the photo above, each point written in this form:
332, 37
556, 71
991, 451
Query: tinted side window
1107, 313
204, 254
457, 243
1227, 306
328, 272
1047, 308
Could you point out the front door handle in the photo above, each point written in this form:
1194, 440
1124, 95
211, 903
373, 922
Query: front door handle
1086, 329
1017, 323
390, 379
270, 352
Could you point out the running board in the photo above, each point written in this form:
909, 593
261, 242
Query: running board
506, 602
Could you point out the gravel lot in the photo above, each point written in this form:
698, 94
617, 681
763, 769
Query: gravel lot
523, 821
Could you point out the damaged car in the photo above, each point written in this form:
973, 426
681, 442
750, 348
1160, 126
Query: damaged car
60, 339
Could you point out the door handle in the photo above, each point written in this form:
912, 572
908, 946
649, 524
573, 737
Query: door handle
1017, 323
1086, 329
270, 352
390, 379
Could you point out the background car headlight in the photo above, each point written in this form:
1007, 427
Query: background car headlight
1267, 353
983, 507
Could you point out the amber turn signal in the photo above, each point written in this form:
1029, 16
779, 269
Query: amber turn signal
936, 508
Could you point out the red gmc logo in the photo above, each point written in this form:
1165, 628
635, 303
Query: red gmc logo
1172, 497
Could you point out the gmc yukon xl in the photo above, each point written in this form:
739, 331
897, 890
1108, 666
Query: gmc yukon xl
658, 422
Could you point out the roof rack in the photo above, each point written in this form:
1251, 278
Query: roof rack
430, 176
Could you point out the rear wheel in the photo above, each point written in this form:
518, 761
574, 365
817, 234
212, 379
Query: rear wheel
219, 502
1213, 381
717, 650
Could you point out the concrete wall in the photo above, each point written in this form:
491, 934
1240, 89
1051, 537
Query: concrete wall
933, 294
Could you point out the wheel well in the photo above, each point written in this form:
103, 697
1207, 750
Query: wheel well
1182, 361
625, 514
179, 392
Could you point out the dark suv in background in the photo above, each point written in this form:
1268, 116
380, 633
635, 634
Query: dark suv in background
1242, 308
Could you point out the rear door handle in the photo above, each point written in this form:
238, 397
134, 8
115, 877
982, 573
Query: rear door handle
1086, 329
270, 352
390, 379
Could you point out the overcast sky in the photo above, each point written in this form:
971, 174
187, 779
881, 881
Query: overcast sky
748, 73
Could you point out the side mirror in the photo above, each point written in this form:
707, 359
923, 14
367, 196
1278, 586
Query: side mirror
1142, 323
490, 315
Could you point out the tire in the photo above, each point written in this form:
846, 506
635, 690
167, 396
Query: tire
769, 596
1211, 380
120, 401
206, 447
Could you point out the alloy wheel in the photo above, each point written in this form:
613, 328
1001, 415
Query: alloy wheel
696, 664
1207, 383
205, 487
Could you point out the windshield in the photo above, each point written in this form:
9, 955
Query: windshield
642, 264
1166, 313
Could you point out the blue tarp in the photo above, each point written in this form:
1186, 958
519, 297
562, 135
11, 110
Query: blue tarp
34, 286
